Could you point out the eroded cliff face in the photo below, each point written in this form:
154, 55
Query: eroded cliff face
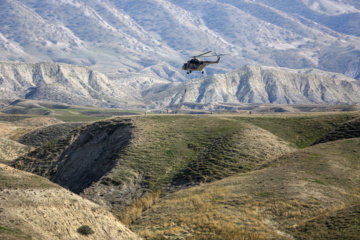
87, 157
92, 154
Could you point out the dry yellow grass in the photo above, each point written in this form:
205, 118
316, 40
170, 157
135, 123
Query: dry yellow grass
202, 216
135, 210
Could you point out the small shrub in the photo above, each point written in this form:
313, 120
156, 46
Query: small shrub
85, 230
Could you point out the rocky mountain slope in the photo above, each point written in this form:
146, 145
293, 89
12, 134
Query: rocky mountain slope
58, 82
255, 84
124, 36
34, 208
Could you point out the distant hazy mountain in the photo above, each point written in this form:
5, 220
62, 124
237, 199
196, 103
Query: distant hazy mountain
159, 35
60, 83
255, 84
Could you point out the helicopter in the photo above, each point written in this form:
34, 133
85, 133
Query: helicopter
195, 64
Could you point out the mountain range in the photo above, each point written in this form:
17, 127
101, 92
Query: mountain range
255, 84
78, 85
156, 36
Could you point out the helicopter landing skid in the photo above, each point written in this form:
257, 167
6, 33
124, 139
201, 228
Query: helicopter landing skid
202, 72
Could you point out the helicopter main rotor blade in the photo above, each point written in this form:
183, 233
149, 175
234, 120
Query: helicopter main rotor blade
221, 54
216, 55
202, 54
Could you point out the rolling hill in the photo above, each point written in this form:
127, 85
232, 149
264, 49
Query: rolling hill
310, 193
125, 161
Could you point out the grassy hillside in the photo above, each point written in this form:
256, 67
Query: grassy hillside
270, 176
338, 224
350, 129
40, 136
301, 130
267, 203
151, 152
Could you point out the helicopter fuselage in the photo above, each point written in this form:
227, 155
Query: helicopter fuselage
197, 65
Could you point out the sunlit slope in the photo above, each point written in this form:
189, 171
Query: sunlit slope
123, 36
32, 207
10, 150
266, 203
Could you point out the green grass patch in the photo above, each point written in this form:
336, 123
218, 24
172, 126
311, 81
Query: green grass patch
25, 182
301, 130
314, 181
67, 114
14, 117
347, 130
173, 142
12, 233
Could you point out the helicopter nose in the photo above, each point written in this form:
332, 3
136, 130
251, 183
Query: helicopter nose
184, 67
